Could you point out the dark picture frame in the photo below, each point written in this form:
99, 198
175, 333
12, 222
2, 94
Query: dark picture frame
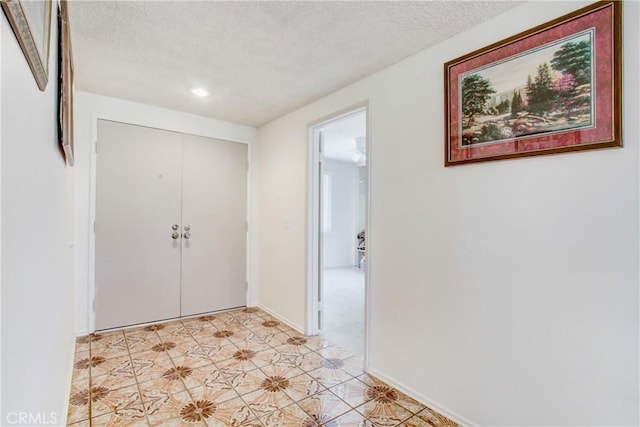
31, 23
66, 84
554, 88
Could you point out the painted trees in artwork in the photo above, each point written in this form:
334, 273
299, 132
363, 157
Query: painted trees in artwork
574, 59
572, 80
540, 93
556, 95
571, 65
475, 94
564, 84
517, 104
504, 106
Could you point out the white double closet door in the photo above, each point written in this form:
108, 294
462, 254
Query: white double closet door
170, 225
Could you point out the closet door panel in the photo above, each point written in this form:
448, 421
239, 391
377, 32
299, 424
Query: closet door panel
214, 207
138, 200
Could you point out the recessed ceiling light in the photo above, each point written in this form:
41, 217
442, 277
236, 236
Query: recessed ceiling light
199, 92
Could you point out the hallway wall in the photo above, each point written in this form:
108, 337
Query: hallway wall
37, 233
340, 242
503, 293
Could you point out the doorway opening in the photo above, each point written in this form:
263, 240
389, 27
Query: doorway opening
339, 261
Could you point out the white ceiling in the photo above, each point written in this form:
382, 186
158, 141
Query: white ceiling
340, 138
259, 59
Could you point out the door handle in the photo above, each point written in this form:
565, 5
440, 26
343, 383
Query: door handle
187, 228
175, 235
186, 235
175, 227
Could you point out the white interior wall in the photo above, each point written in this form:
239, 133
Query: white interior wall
88, 109
37, 257
521, 276
339, 243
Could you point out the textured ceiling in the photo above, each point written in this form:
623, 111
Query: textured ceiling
260, 60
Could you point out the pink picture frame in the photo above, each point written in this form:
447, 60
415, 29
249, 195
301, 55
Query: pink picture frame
551, 89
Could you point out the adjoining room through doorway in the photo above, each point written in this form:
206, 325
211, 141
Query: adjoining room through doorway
343, 240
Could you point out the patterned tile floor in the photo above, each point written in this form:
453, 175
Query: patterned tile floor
240, 368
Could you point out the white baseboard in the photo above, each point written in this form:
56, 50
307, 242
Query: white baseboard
172, 319
422, 399
283, 319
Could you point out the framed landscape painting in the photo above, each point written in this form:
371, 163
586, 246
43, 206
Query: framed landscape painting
65, 87
31, 23
551, 89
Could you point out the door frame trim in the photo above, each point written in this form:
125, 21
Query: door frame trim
313, 219
91, 279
